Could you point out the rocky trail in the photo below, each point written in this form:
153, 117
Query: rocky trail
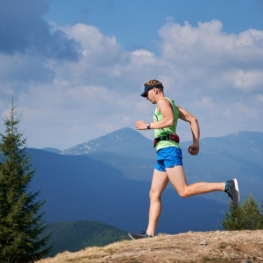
215, 246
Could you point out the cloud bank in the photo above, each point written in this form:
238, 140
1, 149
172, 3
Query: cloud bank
72, 84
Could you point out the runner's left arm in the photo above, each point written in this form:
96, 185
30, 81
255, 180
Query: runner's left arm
188, 117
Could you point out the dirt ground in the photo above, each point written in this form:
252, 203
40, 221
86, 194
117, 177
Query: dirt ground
216, 246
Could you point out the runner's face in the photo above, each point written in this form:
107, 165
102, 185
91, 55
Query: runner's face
150, 96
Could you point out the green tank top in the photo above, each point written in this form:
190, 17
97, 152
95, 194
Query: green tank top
168, 130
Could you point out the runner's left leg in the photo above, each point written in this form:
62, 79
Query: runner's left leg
159, 182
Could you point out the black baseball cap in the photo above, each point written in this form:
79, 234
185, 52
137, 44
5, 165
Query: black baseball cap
149, 87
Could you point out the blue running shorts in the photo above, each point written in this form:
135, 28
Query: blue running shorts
168, 158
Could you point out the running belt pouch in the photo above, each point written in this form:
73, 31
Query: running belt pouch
172, 137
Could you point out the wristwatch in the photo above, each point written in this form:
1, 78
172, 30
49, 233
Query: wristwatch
148, 125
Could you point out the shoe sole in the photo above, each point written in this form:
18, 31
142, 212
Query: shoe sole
237, 189
129, 234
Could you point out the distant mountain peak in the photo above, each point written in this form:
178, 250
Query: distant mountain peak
123, 134
51, 149
117, 141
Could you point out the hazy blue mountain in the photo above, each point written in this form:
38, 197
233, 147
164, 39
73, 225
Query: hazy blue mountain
111, 183
81, 188
126, 142
221, 158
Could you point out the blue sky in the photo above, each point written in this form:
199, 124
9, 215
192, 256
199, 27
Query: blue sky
76, 68
135, 23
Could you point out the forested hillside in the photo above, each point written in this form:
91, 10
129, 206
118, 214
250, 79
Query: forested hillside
74, 236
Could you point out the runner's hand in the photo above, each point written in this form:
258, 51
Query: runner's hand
193, 149
141, 125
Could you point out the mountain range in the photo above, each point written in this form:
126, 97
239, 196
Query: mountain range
237, 155
108, 180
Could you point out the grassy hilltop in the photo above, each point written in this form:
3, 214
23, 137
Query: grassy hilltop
217, 246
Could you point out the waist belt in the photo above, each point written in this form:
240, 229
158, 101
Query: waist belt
169, 137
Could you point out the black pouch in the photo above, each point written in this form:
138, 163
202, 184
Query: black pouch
171, 137
155, 141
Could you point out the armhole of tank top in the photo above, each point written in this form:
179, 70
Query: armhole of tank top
172, 107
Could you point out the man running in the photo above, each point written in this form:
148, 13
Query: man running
169, 166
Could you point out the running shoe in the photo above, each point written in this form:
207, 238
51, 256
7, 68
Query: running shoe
138, 236
233, 192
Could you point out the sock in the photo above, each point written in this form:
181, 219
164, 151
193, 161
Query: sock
226, 187
146, 234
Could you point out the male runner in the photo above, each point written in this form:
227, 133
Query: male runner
169, 166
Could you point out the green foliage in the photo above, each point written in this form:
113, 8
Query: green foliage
74, 236
20, 223
246, 216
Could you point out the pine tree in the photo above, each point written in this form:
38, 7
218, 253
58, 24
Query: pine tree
234, 220
246, 216
20, 221
252, 214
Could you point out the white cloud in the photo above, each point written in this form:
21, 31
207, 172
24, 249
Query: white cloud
246, 80
215, 75
142, 57
98, 50
208, 46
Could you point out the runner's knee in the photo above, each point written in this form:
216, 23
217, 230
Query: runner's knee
154, 195
183, 193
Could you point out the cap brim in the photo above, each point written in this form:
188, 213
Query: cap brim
144, 93
146, 89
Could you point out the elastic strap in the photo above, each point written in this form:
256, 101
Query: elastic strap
226, 186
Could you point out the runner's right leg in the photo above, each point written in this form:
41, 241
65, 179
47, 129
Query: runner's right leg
178, 180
